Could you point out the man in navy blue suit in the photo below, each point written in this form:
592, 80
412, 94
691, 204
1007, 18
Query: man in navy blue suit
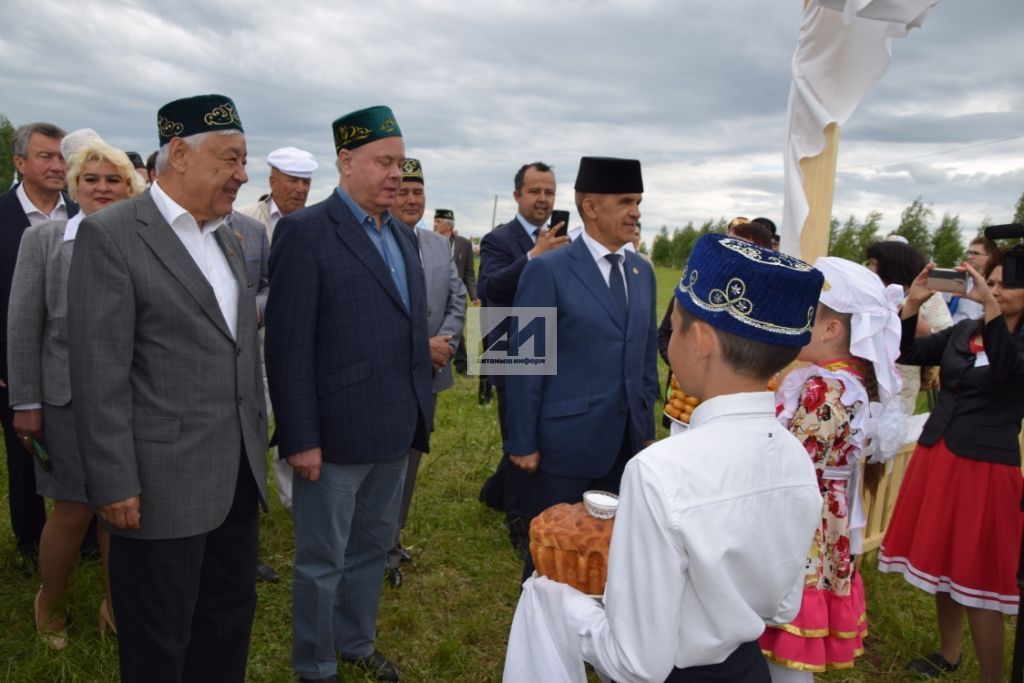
576, 430
36, 199
348, 362
504, 252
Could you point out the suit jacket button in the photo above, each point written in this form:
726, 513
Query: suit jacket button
238, 351
239, 400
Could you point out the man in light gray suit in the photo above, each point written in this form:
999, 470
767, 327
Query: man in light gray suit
169, 407
446, 315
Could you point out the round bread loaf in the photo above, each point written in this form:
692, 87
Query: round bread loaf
570, 546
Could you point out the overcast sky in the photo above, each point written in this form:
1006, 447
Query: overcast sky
696, 90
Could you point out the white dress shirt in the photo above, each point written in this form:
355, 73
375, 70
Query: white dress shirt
202, 246
274, 214
35, 216
599, 251
710, 543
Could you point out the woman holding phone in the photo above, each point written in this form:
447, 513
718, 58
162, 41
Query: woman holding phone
956, 527
98, 175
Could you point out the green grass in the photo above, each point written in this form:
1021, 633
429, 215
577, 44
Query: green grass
450, 619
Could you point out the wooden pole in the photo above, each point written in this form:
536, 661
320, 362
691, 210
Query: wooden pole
819, 187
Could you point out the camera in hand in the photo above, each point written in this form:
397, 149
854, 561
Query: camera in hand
947, 280
1013, 262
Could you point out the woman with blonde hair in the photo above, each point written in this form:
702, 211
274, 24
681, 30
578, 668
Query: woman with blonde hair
98, 175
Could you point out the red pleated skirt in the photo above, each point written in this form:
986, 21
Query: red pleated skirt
956, 528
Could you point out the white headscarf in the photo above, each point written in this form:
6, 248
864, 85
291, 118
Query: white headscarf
875, 331
76, 141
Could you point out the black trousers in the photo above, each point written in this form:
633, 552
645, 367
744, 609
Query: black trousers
185, 606
28, 514
745, 665
510, 488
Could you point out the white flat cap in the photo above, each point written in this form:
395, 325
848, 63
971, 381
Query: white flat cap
293, 161
77, 140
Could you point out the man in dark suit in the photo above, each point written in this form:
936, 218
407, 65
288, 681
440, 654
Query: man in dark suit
348, 361
504, 252
576, 430
169, 406
462, 256
37, 199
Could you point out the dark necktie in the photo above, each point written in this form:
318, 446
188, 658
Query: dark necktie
616, 283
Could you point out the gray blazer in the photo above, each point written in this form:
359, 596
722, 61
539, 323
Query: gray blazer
446, 296
37, 339
256, 247
166, 400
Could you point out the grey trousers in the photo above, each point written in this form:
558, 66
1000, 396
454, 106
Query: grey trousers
344, 525
394, 558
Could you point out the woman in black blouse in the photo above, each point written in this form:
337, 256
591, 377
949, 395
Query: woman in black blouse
956, 528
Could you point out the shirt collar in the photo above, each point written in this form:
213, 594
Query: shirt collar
361, 216
273, 210
28, 207
596, 249
173, 212
750, 403
528, 226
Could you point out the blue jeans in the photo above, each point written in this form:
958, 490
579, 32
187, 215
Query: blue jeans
344, 526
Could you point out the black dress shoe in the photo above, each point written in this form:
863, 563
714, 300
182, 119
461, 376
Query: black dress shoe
394, 577
266, 573
333, 678
377, 664
403, 555
28, 561
934, 665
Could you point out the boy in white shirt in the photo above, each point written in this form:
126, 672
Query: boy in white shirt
714, 524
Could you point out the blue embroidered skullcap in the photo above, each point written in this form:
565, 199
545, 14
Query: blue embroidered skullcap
750, 291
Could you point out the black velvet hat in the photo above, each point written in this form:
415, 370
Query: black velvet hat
363, 126
608, 175
199, 114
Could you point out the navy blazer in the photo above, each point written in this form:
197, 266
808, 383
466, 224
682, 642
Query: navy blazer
13, 222
607, 367
502, 259
348, 365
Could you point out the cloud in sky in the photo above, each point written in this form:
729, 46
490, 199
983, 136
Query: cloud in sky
695, 90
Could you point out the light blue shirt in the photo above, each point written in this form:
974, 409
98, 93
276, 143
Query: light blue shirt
384, 241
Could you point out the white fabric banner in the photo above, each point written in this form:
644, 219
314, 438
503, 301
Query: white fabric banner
843, 49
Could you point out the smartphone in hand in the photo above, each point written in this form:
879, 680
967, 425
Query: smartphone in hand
947, 280
563, 218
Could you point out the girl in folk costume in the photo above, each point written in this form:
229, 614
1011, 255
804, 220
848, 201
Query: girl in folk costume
845, 409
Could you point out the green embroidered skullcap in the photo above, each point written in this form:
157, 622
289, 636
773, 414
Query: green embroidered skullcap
446, 214
199, 114
363, 126
411, 170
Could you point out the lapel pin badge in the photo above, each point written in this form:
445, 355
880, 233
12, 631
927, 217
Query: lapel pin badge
636, 271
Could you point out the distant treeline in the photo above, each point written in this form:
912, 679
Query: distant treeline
944, 244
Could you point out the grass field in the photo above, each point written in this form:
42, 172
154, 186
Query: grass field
450, 619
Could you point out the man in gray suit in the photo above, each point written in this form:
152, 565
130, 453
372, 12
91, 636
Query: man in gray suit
169, 403
446, 315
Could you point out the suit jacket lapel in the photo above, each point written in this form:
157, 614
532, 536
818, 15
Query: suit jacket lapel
351, 233
235, 255
636, 291
522, 239
584, 267
172, 253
